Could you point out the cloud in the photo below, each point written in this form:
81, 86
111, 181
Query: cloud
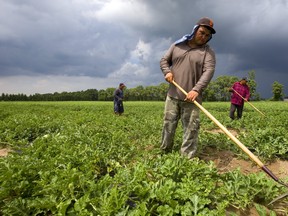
139, 66
112, 40
53, 83
129, 12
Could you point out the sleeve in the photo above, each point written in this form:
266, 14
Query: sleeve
233, 87
116, 93
207, 72
166, 60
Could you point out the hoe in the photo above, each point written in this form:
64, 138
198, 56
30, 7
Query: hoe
242, 146
248, 102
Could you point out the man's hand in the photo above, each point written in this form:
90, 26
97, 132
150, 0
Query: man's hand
169, 77
192, 95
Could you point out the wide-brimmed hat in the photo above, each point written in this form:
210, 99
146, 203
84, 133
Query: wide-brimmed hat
205, 21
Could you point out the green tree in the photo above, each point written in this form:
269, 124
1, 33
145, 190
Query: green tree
102, 95
217, 90
162, 90
252, 85
277, 90
110, 94
135, 94
150, 93
91, 94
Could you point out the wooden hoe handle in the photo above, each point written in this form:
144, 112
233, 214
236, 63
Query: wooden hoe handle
248, 102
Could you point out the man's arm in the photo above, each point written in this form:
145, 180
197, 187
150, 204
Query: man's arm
116, 93
165, 64
208, 71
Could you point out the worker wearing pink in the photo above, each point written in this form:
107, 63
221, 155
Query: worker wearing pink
237, 102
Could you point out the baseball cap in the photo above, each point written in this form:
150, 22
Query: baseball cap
205, 21
122, 84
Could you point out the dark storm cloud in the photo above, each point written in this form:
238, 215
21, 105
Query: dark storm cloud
117, 39
41, 38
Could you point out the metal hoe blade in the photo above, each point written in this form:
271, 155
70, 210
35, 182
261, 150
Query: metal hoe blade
281, 196
278, 198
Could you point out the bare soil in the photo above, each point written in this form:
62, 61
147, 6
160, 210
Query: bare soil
226, 161
4, 152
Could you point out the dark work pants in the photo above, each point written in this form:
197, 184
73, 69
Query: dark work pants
239, 109
118, 107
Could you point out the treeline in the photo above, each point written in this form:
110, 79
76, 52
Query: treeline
88, 95
216, 91
140, 93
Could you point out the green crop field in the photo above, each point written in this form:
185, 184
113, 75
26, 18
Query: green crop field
78, 158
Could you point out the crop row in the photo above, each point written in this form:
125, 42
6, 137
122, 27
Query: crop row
77, 158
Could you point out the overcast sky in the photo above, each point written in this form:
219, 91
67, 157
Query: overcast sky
49, 46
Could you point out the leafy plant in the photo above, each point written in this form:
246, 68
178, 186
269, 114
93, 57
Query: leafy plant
77, 158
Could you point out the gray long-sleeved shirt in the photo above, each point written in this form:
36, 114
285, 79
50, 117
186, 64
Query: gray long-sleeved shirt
192, 68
